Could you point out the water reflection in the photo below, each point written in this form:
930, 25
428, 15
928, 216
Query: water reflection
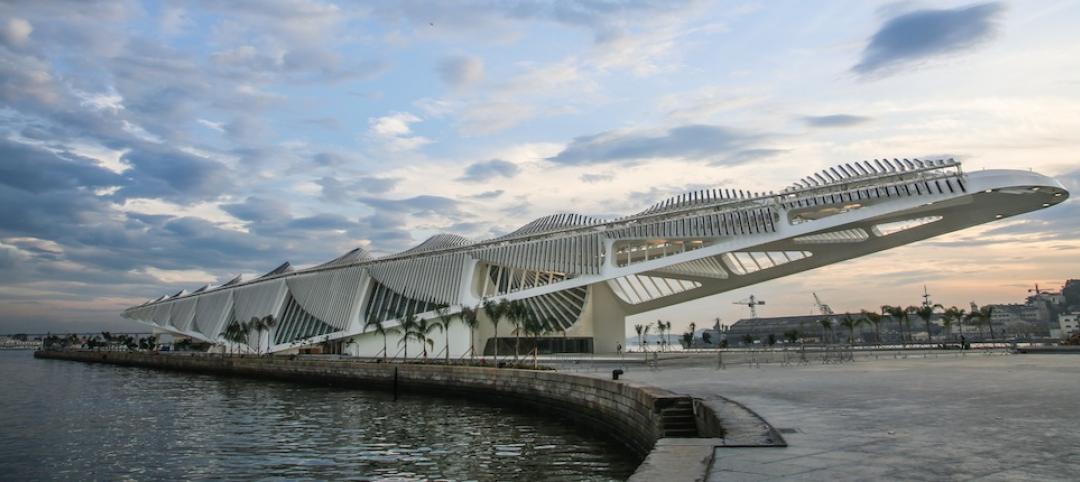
65, 420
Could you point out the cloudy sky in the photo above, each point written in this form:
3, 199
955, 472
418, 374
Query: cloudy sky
149, 147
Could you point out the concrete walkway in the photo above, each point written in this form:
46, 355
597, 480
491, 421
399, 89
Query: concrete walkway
979, 417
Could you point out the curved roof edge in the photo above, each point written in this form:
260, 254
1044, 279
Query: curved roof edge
353, 256
867, 169
438, 241
552, 222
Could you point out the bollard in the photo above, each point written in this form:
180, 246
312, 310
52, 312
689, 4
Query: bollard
615, 374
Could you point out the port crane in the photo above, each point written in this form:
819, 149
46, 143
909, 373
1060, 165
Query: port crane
752, 302
822, 307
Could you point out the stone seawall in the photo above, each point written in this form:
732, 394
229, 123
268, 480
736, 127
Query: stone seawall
631, 413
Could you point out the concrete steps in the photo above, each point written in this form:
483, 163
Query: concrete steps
677, 420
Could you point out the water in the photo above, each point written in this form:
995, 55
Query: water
62, 420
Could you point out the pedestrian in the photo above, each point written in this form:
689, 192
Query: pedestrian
618, 348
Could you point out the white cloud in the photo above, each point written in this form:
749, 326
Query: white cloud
209, 211
16, 31
37, 244
394, 131
101, 101
217, 126
177, 276
111, 159
139, 132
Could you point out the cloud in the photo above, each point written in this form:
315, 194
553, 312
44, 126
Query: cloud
16, 31
461, 71
258, 209
923, 34
693, 142
835, 120
336, 190
488, 194
424, 205
595, 178
602, 18
394, 131
487, 170
159, 171
33, 169
321, 222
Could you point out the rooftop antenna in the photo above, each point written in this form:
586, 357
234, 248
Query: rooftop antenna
752, 302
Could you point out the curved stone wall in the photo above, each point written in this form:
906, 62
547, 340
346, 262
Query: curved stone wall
631, 413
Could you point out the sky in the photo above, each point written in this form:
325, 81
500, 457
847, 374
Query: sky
147, 147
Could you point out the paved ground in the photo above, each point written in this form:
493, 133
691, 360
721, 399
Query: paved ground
979, 417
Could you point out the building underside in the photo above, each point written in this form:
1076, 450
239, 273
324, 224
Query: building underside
586, 275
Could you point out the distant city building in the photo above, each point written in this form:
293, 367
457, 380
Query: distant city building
1068, 323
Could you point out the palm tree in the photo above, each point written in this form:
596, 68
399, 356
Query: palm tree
517, 313
645, 334
233, 332
850, 323
666, 333
826, 325
407, 328
899, 314
469, 317
660, 331
639, 328
925, 312
269, 322
950, 315
976, 319
534, 327
260, 325
374, 321
983, 316
255, 324
245, 334
987, 313
425, 327
688, 336
791, 336
444, 318
494, 312
874, 319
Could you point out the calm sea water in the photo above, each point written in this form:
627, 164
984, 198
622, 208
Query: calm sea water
62, 420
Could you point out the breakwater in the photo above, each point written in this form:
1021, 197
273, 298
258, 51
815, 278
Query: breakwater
636, 415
